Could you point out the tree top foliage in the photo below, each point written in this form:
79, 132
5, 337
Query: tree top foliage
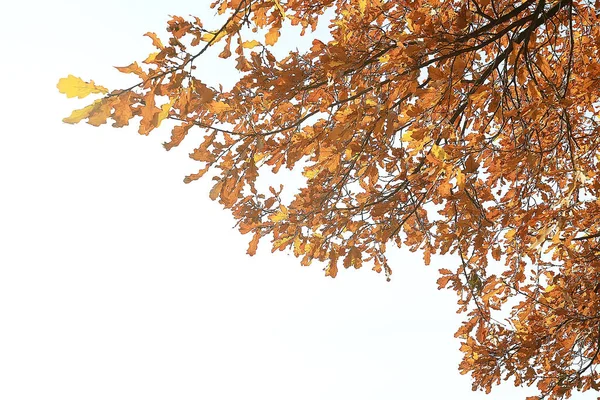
449, 127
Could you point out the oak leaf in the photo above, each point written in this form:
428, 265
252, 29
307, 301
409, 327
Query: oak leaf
81, 114
281, 214
73, 86
251, 44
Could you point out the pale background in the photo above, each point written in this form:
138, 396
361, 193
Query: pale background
117, 281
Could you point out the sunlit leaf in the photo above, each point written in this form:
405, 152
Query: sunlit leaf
77, 87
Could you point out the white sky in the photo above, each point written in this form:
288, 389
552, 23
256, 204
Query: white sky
117, 281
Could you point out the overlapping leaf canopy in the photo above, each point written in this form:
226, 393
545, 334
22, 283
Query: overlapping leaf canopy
460, 127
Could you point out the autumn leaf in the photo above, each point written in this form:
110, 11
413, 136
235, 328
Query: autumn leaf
76, 87
460, 179
122, 110
81, 114
510, 234
438, 152
100, 113
151, 58
218, 107
253, 244
281, 214
279, 8
149, 113
178, 133
216, 190
133, 68
155, 40
251, 44
214, 37
353, 258
331, 269
272, 36
362, 6
164, 112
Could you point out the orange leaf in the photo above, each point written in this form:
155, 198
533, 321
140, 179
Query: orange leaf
272, 36
155, 40
253, 244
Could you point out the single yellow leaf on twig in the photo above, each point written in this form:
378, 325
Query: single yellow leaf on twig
73, 86
250, 44
214, 36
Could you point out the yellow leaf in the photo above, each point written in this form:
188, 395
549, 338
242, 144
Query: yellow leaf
73, 86
280, 215
250, 44
297, 246
281, 244
438, 152
510, 234
362, 5
550, 288
164, 111
258, 156
310, 173
150, 59
213, 37
279, 8
77, 115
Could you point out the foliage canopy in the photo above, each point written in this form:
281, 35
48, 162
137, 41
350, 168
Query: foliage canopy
450, 127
